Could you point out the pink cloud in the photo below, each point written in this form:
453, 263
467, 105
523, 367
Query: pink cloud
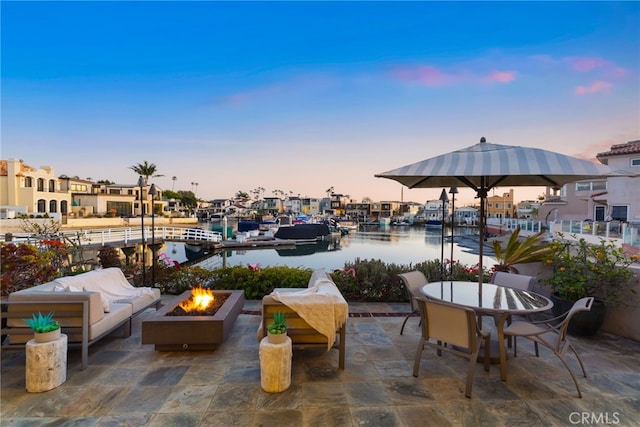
584, 64
426, 75
433, 77
595, 87
500, 76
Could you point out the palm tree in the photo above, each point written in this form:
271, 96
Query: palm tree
146, 170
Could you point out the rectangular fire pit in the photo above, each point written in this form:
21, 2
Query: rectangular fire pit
180, 333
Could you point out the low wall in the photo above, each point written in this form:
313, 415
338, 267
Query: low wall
623, 321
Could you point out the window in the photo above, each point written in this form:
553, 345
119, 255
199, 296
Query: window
52, 186
53, 206
42, 205
591, 185
78, 188
63, 207
28, 182
635, 162
40, 185
583, 186
619, 212
599, 185
599, 213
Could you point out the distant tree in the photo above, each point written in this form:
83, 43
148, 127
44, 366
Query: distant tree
242, 195
146, 170
105, 182
168, 194
188, 198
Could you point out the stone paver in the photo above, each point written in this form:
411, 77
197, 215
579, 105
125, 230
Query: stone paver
131, 384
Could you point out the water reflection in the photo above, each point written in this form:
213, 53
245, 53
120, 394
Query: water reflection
400, 245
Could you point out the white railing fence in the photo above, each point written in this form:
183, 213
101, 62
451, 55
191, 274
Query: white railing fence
103, 237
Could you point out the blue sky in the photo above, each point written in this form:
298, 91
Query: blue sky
303, 96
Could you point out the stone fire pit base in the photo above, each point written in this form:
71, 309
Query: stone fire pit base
192, 333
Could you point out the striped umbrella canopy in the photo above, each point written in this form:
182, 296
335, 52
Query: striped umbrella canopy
485, 165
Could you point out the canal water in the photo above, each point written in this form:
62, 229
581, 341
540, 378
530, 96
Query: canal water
400, 245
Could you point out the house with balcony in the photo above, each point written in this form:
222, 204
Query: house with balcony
601, 199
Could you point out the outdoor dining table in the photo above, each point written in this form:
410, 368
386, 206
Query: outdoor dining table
495, 300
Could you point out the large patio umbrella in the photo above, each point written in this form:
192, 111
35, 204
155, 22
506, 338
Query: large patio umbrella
485, 165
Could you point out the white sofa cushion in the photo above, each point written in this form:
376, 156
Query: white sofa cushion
113, 288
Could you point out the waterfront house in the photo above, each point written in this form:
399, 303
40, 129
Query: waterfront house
614, 198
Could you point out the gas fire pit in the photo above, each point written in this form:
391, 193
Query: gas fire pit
171, 329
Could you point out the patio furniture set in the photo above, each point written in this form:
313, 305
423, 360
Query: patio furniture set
451, 314
92, 305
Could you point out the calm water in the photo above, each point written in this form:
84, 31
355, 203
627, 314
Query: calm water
400, 245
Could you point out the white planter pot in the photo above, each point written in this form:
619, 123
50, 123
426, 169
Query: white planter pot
47, 336
277, 338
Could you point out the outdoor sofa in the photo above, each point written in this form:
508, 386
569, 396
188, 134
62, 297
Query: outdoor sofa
88, 306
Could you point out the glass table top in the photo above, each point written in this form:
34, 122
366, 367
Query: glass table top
490, 298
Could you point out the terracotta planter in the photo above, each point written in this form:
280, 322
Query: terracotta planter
276, 338
586, 323
47, 336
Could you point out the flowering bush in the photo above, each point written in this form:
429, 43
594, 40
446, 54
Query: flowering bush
581, 269
24, 266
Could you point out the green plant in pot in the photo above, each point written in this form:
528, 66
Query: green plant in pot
277, 329
520, 251
45, 327
581, 269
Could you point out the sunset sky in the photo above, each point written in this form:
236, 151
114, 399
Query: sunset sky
304, 96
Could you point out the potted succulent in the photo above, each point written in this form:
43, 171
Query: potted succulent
517, 251
580, 270
45, 328
277, 330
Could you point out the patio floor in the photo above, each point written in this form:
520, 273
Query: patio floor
131, 384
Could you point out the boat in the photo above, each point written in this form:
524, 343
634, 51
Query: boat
384, 221
303, 232
433, 223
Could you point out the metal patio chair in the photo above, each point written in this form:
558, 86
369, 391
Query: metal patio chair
455, 329
412, 282
554, 337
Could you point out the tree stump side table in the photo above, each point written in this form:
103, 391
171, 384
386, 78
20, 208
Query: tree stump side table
46, 364
275, 365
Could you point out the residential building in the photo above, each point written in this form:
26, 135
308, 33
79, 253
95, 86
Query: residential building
311, 206
528, 209
501, 206
27, 190
603, 199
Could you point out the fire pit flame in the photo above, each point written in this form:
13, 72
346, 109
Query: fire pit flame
200, 300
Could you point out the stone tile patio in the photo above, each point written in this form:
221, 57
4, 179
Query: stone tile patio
128, 384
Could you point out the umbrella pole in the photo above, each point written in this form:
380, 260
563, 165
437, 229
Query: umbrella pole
482, 193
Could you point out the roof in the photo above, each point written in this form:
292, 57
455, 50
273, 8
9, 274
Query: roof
631, 147
4, 170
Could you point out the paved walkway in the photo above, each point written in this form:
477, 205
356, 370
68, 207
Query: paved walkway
128, 384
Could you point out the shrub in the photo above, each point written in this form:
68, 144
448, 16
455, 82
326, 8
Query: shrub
361, 280
109, 257
24, 266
